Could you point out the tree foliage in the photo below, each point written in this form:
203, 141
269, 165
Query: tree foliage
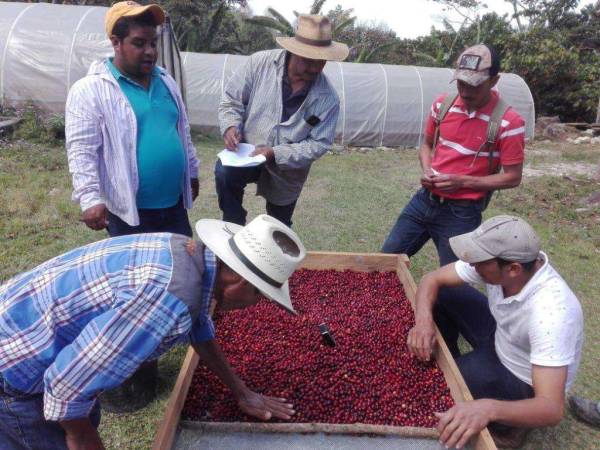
551, 44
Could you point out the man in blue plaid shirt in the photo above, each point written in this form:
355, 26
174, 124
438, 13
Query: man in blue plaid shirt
84, 321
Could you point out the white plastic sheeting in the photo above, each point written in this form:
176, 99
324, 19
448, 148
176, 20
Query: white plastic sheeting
45, 48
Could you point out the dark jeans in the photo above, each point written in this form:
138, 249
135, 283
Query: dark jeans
231, 182
424, 218
22, 423
165, 220
465, 311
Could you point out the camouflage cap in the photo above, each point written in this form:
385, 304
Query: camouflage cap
474, 64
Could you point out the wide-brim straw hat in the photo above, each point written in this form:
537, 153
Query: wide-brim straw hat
313, 40
265, 253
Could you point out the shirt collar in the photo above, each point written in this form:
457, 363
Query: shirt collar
532, 285
118, 75
487, 109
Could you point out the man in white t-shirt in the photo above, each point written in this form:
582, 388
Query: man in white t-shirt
526, 335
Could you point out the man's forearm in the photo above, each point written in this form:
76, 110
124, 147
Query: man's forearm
425, 156
425, 298
211, 354
491, 182
531, 413
81, 434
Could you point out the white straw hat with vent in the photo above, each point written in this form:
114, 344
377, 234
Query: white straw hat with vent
265, 253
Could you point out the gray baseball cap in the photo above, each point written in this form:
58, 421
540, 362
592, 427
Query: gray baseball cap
506, 237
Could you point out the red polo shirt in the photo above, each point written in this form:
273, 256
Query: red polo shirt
461, 135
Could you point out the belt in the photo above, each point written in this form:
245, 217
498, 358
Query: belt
454, 201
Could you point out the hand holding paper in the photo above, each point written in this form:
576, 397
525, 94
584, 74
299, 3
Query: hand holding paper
241, 157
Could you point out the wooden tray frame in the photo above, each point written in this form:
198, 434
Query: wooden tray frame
363, 262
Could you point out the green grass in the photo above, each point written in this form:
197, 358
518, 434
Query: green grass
349, 203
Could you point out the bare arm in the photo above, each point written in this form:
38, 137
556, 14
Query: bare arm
546, 408
80, 434
462, 421
425, 156
421, 338
509, 177
250, 402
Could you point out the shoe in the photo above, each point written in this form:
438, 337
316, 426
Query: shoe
586, 410
513, 438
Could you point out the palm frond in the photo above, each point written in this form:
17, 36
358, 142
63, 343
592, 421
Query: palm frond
279, 17
317, 6
343, 25
269, 22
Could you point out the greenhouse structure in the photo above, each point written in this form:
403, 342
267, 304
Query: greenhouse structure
45, 48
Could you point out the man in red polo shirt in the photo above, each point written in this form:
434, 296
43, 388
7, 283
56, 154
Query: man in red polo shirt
459, 174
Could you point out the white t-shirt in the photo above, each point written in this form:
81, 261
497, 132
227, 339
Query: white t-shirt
541, 325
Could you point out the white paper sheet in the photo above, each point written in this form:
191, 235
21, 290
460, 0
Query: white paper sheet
241, 157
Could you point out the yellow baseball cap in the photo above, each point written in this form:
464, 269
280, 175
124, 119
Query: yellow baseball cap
130, 9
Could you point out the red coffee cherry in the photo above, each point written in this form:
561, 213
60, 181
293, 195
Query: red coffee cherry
368, 377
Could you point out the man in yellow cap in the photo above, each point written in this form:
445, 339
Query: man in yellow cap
130, 152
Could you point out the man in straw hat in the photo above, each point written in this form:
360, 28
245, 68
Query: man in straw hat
127, 133
281, 102
473, 144
84, 321
526, 335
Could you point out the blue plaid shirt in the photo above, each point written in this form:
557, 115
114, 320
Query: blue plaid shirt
83, 322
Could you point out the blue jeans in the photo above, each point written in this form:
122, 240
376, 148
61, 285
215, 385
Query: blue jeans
23, 426
231, 183
164, 220
466, 311
424, 218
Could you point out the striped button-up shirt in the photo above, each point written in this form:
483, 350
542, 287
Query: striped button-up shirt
101, 136
252, 102
84, 321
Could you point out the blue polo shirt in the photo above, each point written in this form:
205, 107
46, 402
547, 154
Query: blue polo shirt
159, 150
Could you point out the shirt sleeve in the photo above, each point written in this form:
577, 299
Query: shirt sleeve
467, 273
203, 330
511, 141
553, 329
83, 139
236, 95
432, 116
109, 349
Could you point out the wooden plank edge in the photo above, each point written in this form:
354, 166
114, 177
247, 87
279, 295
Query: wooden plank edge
353, 261
456, 383
303, 428
168, 427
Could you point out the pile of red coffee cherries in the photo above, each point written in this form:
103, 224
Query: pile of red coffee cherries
367, 377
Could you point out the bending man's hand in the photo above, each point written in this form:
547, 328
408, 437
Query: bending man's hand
421, 339
263, 407
195, 185
80, 434
462, 421
96, 217
231, 138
